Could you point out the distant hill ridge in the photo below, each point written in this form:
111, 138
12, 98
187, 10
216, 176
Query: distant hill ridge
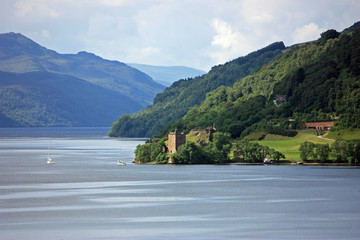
166, 75
20, 54
35, 86
38, 98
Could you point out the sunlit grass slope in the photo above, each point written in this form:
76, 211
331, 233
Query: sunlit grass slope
289, 146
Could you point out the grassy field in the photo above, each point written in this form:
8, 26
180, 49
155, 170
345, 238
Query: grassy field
344, 134
289, 146
195, 137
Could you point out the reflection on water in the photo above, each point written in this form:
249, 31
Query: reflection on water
85, 195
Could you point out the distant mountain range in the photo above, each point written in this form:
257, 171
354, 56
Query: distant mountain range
40, 87
166, 75
19, 54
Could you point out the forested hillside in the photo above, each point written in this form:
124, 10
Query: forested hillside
48, 99
40, 87
19, 54
315, 81
176, 100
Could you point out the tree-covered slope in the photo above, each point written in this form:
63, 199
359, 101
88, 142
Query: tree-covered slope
20, 54
49, 99
177, 99
319, 80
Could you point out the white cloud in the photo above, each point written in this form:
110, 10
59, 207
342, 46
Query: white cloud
227, 43
224, 37
45, 34
144, 53
197, 33
113, 3
110, 36
120, 3
259, 11
101, 25
35, 8
306, 33
179, 29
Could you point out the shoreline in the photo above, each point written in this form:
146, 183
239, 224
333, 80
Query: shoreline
259, 164
296, 164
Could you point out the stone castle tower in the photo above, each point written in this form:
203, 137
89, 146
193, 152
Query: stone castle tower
175, 140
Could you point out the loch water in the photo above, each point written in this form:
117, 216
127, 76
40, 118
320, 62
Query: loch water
85, 195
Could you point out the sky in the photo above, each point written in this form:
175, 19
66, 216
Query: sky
193, 33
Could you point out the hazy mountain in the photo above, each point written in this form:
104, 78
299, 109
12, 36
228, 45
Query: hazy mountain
166, 75
20, 54
40, 87
50, 99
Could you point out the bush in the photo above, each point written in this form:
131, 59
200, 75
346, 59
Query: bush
283, 132
149, 152
306, 150
162, 158
329, 34
322, 152
189, 153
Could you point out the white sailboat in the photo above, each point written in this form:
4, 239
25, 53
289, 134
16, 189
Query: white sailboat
121, 163
49, 160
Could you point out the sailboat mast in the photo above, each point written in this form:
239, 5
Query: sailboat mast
49, 149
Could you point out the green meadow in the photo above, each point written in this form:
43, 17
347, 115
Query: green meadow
347, 134
289, 146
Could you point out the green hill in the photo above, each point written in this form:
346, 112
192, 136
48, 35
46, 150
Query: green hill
176, 100
48, 99
314, 81
19, 54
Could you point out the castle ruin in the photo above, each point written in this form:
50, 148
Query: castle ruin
175, 140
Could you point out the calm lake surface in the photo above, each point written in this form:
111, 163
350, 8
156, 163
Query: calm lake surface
85, 195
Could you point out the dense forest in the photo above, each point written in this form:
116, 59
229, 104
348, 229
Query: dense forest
315, 81
176, 100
